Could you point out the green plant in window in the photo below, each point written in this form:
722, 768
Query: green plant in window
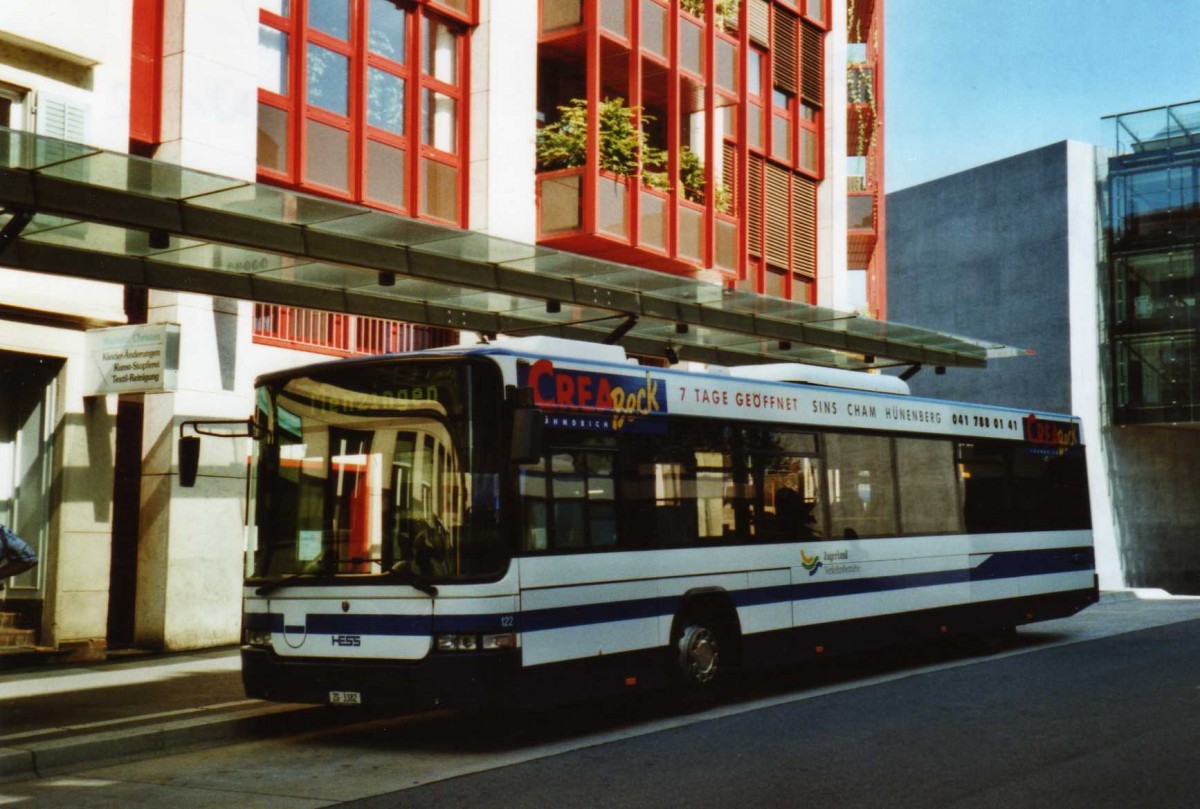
691, 175
693, 183
725, 11
624, 148
723, 199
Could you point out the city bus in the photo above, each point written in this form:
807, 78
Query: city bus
540, 519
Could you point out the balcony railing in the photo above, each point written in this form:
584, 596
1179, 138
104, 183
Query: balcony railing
342, 335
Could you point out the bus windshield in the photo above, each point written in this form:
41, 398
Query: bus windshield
380, 469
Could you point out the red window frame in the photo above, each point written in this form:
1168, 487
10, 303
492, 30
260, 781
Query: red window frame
787, 113
814, 126
756, 102
820, 22
360, 61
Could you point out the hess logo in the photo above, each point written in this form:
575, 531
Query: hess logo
346, 640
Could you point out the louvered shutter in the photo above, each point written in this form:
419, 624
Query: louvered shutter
754, 205
61, 119
758, 22
804, 225
729, 174
783, 51
777, 224
812, 64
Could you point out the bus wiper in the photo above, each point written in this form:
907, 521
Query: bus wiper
406, 575
284, 581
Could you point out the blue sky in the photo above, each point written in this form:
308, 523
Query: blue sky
972, 81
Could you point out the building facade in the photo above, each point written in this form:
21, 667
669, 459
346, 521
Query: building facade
734, 141
1088, 258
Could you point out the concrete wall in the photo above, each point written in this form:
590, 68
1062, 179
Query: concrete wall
1008, 252
984, 253
1155, 478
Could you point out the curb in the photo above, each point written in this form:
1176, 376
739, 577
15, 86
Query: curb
42, 756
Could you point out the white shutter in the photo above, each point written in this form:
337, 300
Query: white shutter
61, 119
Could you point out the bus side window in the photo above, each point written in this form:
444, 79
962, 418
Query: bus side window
532, 482
1049, 491
568, 499
929, 499
786, 502
984, 488
715, 496
660, 493
862, 485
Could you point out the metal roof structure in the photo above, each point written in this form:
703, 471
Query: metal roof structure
70, 209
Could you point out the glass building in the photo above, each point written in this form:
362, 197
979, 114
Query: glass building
1153, 237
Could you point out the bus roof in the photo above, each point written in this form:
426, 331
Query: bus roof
613, 358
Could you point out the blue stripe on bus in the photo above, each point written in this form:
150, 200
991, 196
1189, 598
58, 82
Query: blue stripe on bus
582, 614
996, 566
475, 624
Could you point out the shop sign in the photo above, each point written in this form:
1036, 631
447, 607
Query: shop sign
132, 359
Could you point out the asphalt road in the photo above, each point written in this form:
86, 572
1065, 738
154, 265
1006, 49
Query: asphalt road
1094, 711
1109, 723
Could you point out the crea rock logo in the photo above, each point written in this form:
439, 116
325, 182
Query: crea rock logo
627, 398
810, 563
1061, 435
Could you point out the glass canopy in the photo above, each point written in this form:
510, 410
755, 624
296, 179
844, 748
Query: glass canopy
74, 210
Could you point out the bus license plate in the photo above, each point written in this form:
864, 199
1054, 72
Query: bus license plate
345, 698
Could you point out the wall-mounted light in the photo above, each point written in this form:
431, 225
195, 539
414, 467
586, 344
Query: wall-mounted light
553, 307
681, 328
785, 345
940, 370
671, 357
387, 279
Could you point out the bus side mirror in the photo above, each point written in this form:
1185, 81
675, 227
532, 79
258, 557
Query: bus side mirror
189, 445
528, 423
189, 460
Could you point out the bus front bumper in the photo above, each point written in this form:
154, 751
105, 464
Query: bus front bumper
446, 680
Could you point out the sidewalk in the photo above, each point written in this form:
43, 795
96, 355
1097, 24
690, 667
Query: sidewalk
59, 717
55, 718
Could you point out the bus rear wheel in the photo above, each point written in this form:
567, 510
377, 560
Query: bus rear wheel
699, 659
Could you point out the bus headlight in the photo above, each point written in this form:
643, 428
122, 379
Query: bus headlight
507, 640
470, 643
257, 637
457, 643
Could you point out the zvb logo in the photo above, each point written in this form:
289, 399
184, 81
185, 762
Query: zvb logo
810, 563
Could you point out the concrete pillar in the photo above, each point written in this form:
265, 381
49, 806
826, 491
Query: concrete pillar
190, 556
831, 194
503, 112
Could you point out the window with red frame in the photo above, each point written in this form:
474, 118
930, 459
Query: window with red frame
756, 97
365, 100
808, 158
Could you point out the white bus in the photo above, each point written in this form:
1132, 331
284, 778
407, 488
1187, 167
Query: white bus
539, 519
